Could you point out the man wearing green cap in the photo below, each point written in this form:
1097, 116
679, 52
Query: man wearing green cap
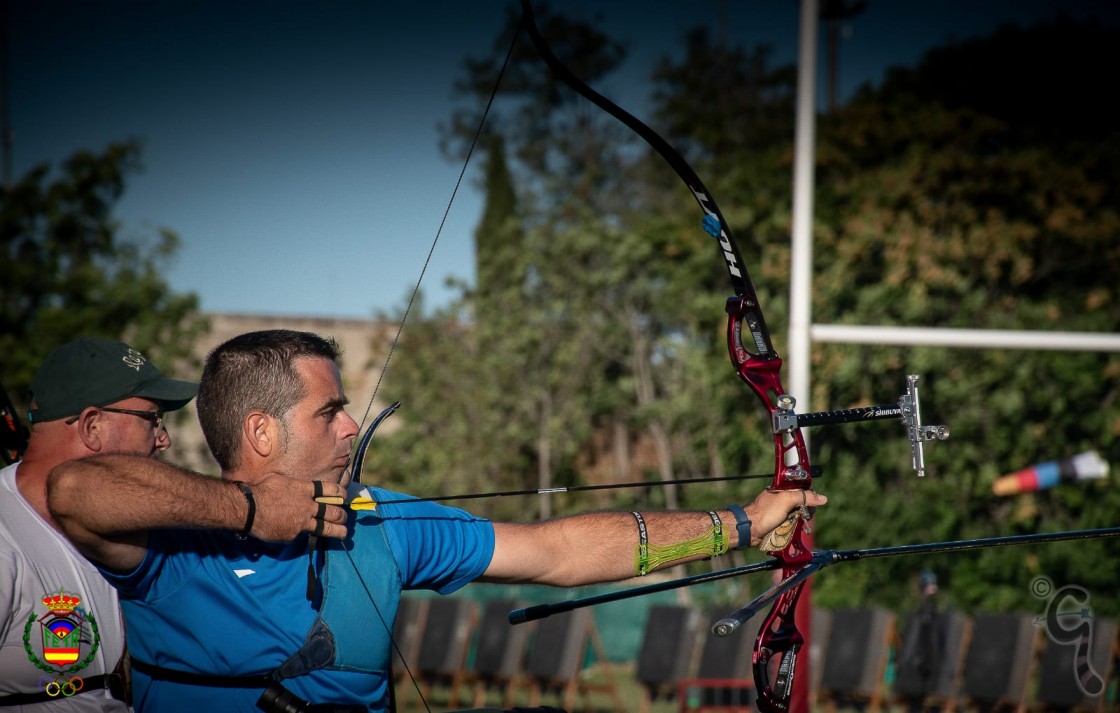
61, 633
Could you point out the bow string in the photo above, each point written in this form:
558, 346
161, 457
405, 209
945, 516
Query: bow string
357, 457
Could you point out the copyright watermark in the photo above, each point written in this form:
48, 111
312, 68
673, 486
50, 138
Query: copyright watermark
1068, 620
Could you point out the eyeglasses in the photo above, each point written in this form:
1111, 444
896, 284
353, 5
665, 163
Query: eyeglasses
153, 417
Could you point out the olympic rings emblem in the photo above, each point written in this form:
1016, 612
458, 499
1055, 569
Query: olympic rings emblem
67, 687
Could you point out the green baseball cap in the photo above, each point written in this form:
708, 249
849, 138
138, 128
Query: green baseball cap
96, 372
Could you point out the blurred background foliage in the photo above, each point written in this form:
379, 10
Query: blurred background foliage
977, 189
71, 269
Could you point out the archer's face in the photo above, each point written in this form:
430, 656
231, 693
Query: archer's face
319, 432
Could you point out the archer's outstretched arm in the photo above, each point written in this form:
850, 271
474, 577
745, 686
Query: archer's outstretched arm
605, 546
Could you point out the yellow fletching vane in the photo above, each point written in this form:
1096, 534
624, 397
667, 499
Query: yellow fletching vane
355, 504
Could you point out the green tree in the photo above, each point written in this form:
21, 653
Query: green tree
936, 206
533, 362
730, 111
68, 271
945, 200
498, 269
588, 293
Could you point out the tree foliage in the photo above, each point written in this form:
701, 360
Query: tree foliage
585, 313
943, 205
69, 271
594, 348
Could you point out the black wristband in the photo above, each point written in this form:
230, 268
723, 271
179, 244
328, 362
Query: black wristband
248, 493
742, 525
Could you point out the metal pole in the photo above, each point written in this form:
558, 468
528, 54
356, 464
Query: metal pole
967, 338
801, 283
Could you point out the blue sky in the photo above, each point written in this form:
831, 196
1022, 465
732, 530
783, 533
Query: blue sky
293, 144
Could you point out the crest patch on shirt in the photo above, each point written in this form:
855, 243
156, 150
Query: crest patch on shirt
67, 630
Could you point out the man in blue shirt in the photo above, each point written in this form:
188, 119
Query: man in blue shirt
225, 593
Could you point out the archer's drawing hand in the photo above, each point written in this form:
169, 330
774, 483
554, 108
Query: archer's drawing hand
288, 507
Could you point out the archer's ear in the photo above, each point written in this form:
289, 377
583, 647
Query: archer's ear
91, 429
261, 433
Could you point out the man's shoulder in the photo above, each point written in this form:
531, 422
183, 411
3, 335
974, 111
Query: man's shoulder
14, 511
8, 478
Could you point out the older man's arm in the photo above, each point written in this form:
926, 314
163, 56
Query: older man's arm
106, 505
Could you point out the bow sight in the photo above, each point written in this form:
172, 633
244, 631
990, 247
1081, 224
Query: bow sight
907, 410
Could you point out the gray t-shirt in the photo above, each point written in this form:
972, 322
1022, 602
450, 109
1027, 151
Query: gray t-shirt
55, 599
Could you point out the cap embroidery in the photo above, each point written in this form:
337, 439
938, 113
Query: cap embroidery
134, 359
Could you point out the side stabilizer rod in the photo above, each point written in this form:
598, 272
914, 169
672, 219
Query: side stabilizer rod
820, 560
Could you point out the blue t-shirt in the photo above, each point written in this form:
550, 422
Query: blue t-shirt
205, 602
